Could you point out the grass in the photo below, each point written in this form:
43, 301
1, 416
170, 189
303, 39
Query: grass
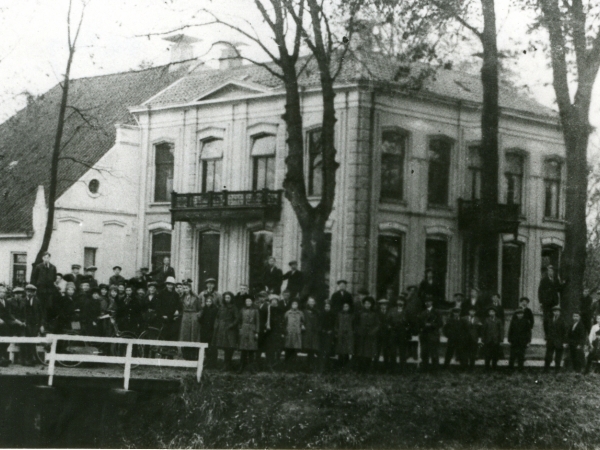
449, 410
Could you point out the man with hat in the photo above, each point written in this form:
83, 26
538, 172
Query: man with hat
383, 335
361, 294
6, 324
76, 276
492, 337
400, 334
519, 337
430, 324
129, 312
241, 296
527, 312
549, 294
556, 337
43, 278
454, 331
35, 321
472, 327
168, 309
90, 276
295, 279
161, 273
150, 305
340, 297
117, 277
576, 337
272, 277
210, 291
16, 306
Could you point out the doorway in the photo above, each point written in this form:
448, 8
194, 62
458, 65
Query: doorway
208, 257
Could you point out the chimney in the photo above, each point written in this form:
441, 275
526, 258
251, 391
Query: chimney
230, 55
182, 50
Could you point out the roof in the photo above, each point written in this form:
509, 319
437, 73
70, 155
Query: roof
96, 105
442, 83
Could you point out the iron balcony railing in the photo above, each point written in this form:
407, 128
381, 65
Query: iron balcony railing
262, 204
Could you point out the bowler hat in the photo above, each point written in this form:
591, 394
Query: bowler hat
210, 280
144, 269
556, 308
456, 309
69, 277
18, 290
170, 280
75, 266
117, 267
342, 281
291, 263
369, 299
30, 287
91, 269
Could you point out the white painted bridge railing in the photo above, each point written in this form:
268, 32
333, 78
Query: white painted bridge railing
128, 360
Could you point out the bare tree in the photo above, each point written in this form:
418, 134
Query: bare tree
73, 31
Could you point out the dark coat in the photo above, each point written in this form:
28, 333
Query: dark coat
272, 339
295, 282
116, 279
528, 315
519, 332
7, 317
226, 327
339, 298
128, 314
399, 327
272, 279
577, 334
430, 324
492, 331
556, 335
35, 316
472, 330
69, 311
345, 333
433, 289
160, 274
366, 334
549, 292
312, 328
328, 319
454, 330
43, 277
90, 311
149, 306
168, 303
207, 318
479, 308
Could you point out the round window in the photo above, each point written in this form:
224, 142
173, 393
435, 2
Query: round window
93, 186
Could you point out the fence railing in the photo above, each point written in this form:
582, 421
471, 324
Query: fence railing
128, 360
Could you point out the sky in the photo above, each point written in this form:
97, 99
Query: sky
114, 38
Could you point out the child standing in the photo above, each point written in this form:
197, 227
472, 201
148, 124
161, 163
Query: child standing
366, 335
453, 330
294, 325
399, 335
519, 336
327, 335
248, 334
492, 336
345, 334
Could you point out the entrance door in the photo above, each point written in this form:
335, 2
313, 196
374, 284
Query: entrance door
436, 259
511, 274
208, 257
261, 249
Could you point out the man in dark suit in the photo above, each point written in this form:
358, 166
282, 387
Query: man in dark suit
117, 277
6, 323
75, 275
577, 337
556, 337
168, 309
160, 274
90, 276
340, 297
549, 294
295, 280
472, 337
474, 301
35, 321
430, 324
43, 277
527, 313
273, 277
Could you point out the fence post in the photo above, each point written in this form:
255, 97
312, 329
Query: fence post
127, 365
200, 363
51, 360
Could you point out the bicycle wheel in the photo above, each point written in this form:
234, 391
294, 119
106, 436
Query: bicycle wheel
73, 348
149, 351
40, 353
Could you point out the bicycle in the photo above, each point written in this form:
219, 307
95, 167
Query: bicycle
156, 334
67, 347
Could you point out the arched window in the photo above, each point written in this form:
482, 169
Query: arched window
513, 178
552, 181
212, 162
393, 155
263, 159
163, 163
161, 247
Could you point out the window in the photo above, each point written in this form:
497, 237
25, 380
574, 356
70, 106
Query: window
19, 269
261, 249
552, 171
389, 254
513, 178
161, 247
263, 156
393, 151
315, 163
212, 158
551, 256
164, 163
208, 257
511, 274
89, 257
93, 186
474, 176
439, 171
436, 259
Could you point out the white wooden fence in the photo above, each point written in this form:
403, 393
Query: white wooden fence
128, 360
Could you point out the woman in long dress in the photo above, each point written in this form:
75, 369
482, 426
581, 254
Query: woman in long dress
190, 327
226, 328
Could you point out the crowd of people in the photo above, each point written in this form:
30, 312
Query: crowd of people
361, 332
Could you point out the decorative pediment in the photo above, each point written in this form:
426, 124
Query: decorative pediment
232, 89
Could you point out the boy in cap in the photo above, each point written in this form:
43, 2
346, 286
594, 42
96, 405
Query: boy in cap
492, 337
453, 330
556, 337
519, 336
76, 275
90, 275
576, 338
117, 277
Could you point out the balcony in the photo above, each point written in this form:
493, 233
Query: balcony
226, 205
502, 218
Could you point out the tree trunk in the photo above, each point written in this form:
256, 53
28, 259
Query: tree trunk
489, 149
313, 261
55, 159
